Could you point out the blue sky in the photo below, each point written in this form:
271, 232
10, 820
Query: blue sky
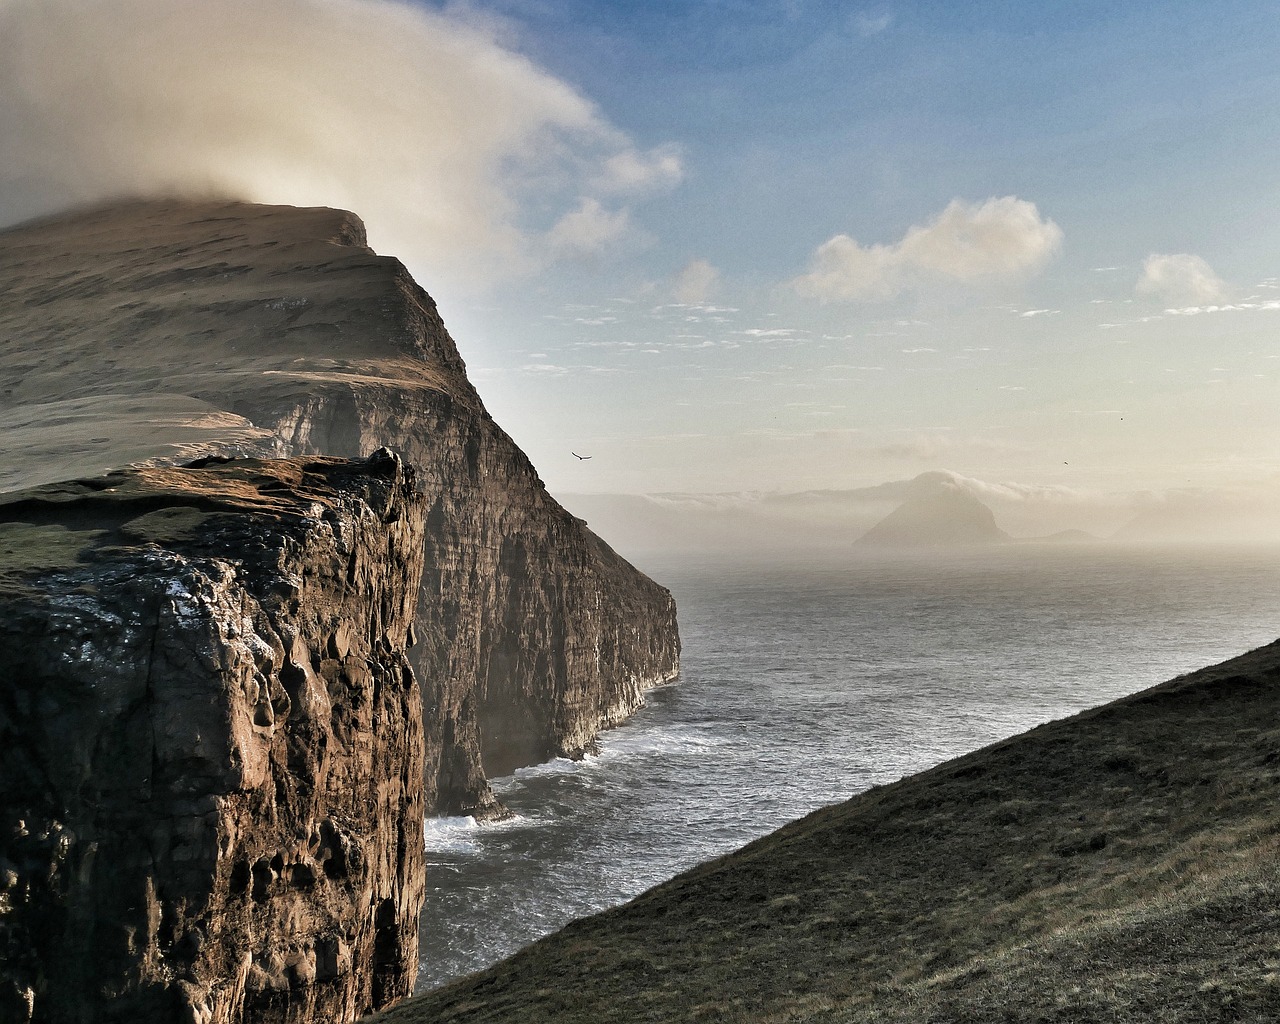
1137, 129
795, 118
746, 246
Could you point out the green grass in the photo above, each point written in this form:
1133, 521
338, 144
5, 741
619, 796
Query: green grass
1121, 865
30, 549
179, 522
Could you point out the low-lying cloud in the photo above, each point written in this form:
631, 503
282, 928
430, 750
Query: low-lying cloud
441, 138
999, 240
1180, 278
695, 282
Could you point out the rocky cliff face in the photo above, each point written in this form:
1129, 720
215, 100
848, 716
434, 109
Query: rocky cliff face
211, 744
162, 330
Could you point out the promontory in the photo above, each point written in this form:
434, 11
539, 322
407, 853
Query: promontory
274, 586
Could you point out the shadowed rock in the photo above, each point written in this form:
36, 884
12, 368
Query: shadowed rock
166, 330
211, 744
941, 515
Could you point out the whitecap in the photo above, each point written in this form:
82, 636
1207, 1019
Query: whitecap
450, 835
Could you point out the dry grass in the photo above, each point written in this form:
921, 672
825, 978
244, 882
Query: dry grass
1117, 866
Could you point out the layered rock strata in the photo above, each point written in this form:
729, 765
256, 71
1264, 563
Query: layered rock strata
154, 331
211, 744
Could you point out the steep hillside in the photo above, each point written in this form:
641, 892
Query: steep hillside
166, 330
1118, 866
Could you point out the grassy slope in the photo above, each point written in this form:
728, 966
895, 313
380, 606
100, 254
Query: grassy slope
1120, 865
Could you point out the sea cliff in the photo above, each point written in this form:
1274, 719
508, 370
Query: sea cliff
159, 331
211, 744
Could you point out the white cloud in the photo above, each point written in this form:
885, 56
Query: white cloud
588, 229
630, 171
1231, 307
694, 283
1002, 239
1010, 491
1180, 277
872, 24
438, 136
768, 332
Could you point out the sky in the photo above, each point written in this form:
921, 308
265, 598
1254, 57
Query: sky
721, 245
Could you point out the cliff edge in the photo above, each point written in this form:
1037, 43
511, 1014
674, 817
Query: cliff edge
211, 744
159, 331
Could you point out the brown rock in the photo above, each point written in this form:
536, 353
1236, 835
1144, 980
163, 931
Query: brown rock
212, 806
155, 331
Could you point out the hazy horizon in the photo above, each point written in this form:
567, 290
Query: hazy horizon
744, 522
772, 248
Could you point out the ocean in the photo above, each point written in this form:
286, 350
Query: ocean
808, 679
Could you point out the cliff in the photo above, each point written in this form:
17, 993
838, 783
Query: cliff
162, 330
1118, 866
211, 744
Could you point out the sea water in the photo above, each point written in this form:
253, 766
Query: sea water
806, 680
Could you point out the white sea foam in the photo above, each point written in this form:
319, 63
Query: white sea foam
673, 739
450, 835
463, 834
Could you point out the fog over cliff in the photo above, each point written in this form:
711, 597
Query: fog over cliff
425, 123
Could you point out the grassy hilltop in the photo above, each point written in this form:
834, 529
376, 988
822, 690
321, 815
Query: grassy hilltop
1120, 865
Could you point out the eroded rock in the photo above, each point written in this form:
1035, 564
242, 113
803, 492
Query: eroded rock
211, 744
158, 330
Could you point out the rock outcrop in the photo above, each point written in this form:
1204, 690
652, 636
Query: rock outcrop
157, 331
211, 744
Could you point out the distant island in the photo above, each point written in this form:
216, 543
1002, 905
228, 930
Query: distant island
940, 515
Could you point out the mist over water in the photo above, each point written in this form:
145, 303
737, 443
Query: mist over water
805, 682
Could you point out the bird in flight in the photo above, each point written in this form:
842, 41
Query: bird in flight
581, 457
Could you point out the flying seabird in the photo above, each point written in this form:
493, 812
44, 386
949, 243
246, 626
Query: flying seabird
582, 457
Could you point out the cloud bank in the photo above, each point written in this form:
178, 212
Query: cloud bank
442, 139
1180, 278
999, 240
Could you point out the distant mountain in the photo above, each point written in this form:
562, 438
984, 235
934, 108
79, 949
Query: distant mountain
941, 516
750, 523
